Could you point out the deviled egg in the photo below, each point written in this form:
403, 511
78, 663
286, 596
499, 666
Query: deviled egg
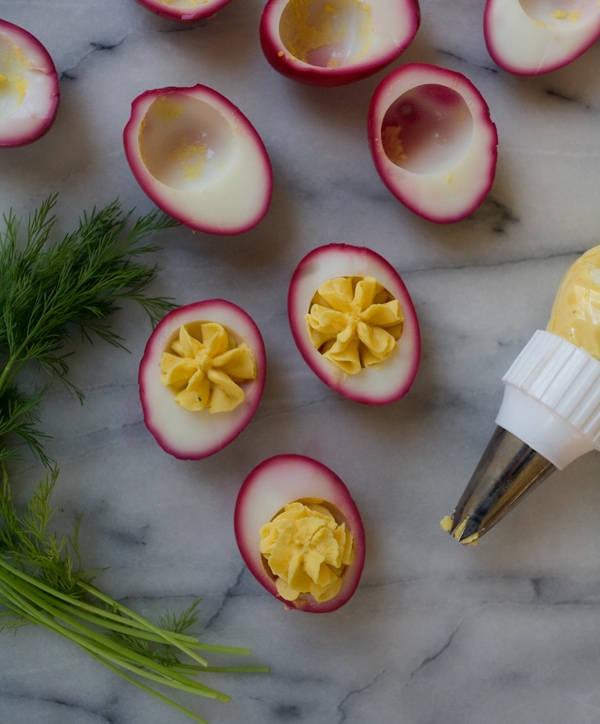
530, 37
300, 533
184, 11
354, 323
199, 159
29, 89
333, 42
433, 141
201, 377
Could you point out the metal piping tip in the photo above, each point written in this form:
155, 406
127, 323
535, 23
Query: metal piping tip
509, 469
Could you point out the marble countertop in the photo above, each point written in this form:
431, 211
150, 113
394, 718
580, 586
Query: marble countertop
437, 632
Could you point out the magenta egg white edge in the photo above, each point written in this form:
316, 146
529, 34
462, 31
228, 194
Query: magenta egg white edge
195, 435
164, 197
277, 55
23, 130
373, 386
521, 46
206, 8
411, 188
274, 483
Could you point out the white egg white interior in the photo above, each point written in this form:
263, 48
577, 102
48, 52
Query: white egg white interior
433, 142
534, 36
330, 34
28, 89
182, 432
373, 384
200, 161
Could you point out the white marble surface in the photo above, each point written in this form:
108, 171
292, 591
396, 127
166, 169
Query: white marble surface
507, 631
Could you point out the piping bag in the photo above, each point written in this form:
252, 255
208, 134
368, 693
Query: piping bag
550, 411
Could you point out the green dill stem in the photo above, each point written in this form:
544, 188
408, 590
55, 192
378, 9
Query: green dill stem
149, 690
100, 644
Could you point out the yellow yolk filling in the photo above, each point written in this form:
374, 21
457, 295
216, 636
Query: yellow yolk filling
13, 62
191, 157
575, 313
311, 25
307, 550
354, 322
205, 371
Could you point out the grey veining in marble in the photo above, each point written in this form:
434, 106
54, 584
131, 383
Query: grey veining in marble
437, 633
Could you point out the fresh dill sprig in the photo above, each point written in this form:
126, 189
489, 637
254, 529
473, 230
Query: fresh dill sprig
48, 288
41, 582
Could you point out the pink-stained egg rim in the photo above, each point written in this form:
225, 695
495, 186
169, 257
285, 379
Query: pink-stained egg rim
333, 260
538, 52
428, 194
31, 121
189, 14
253, 194
288, 65
271, 485
182, 433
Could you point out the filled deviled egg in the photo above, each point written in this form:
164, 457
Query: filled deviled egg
300, 533
354, 323
201, 377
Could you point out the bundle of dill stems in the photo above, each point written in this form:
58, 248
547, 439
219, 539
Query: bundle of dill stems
49, 289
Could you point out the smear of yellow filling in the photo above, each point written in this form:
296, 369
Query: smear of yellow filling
307, 550
191, 157
392, 144
575, 312
206, 371
572, 15
354, 322
308, 26
447, 522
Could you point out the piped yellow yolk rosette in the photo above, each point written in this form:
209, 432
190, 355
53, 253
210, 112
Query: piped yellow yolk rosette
307, 550
354, 322
206, 371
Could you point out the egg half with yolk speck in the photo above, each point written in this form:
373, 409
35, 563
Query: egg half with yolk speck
334, 42
433, 141
184, 11
354, 323
199, 159
303, 518
531, 37
29, 89
201, 377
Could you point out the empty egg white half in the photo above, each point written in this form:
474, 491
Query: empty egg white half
199, 159
29, 90
530, 37
433, 141
333, 42
185, 11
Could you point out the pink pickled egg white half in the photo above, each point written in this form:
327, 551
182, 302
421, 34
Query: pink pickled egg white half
433, 141
377, 385
194, 435
29, 89
184, 11
536, 36
199, 159
274, 483
333, 42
